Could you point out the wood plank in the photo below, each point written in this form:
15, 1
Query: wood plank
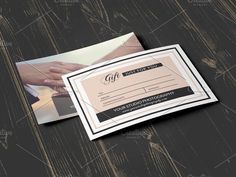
21, 151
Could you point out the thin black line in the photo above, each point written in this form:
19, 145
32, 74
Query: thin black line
125, 98
122, 93
162, 87
139, 94
139, 88
118, 98
161, 82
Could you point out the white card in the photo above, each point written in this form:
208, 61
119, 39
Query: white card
112, 95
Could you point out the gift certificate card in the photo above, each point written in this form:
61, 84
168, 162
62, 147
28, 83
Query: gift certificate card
134, 88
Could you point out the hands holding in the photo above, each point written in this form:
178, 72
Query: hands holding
47, 74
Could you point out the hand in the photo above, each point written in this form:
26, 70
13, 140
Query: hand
46, 74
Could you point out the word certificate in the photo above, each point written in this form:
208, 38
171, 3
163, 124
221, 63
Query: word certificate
112, 95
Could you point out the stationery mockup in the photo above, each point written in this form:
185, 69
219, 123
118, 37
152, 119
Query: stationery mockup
115, 94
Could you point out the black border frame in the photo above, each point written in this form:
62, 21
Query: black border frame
94, 133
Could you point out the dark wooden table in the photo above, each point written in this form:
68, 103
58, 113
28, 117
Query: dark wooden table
198, 142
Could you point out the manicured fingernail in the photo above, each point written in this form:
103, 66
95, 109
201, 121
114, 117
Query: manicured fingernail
47, 81
52, 67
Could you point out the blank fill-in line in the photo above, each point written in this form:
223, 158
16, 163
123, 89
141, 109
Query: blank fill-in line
133, 85
138, 89
105, 104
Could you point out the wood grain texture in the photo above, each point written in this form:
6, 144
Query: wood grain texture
193, 143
